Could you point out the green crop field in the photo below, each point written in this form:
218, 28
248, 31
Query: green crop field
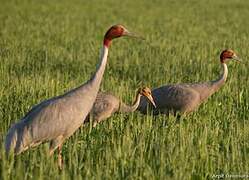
50, 47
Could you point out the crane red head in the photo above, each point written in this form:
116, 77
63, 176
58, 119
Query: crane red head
227, 55
117, 31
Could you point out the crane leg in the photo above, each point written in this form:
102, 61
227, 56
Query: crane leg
55, 144
95, 124
99, 120
60, 160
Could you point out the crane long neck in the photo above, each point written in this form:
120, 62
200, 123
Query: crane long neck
219, 82
97, 77
92, 86
126, 108
208, 88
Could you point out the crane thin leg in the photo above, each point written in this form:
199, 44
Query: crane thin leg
54, 144
60, 160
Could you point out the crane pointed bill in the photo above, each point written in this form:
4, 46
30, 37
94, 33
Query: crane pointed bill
134, 35
236, 58
151, 100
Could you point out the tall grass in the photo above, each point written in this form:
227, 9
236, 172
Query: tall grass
49, 47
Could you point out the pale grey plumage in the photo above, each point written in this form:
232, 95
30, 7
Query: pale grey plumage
58, 118
106, 104
184, 98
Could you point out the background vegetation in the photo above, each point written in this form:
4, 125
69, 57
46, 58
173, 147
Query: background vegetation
49, 47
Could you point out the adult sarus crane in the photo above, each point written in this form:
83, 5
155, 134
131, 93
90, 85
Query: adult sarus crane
185, 98
107, 104
56, 119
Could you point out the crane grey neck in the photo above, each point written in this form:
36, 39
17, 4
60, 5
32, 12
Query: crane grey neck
219, 82
126, 108
92, 85
97, 77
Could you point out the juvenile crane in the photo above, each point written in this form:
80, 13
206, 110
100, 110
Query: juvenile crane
56, 119
185, 98
107, 104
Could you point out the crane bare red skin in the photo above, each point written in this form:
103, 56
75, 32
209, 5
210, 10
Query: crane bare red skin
114, 32
226, 54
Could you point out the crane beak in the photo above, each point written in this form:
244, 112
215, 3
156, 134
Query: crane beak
236, 58
132, 34
151, 100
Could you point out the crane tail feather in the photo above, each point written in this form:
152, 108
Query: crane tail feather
16, 140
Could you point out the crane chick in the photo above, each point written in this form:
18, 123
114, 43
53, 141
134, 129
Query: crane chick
107, 104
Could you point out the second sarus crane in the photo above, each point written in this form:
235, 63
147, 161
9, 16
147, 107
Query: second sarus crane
185, 98
56, 119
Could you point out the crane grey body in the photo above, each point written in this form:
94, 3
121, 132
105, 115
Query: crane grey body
104, 107
183, 98
106, 104
58, 118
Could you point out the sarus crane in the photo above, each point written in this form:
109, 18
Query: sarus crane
106, 104
185, 98
56, 119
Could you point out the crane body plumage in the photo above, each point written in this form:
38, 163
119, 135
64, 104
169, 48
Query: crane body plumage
58, 118
106, 104
184, 98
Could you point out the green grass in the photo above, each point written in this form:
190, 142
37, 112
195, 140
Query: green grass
49, 47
